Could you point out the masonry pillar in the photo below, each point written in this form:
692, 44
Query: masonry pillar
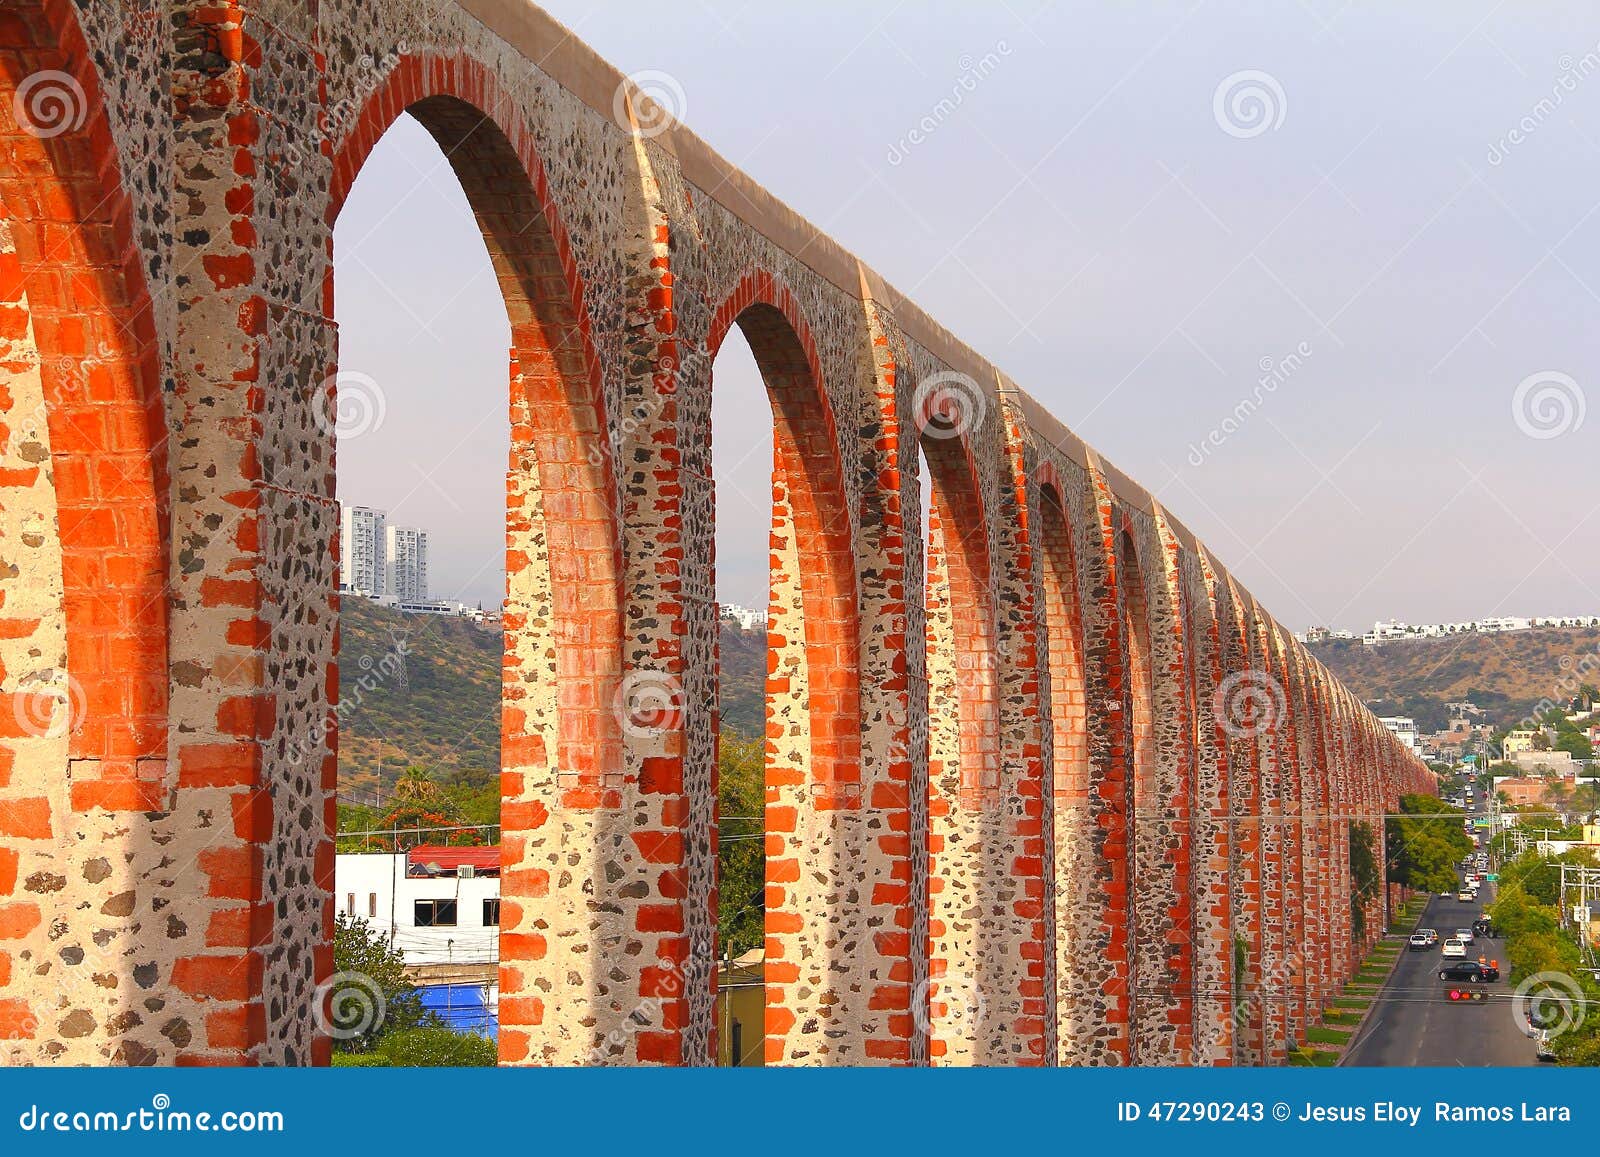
1244, 783
1215, 1010
893, 711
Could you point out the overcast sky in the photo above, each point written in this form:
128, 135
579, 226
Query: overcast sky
1137, 211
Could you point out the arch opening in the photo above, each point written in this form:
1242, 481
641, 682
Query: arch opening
794, 746
1064, 632
536, 726
84, 529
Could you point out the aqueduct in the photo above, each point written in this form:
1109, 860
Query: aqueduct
1085, 803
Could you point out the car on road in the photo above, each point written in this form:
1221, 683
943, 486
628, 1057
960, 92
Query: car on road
1432, 934
1419, 942
1469, 972
1454, 947
1465, 895
1464, 935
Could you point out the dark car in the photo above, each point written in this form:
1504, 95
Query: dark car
1469, 972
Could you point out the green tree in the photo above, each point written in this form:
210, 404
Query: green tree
1423, 852
1364, 882
436, 1047
741, 846
371, 995
1576, 743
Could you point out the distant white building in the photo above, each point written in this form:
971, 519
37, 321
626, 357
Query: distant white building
440, 907
437, 905
747, 619
406, 564
1405, 729
1504, 623
362, 545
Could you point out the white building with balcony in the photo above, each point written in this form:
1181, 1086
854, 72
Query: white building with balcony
362, 546
406, 563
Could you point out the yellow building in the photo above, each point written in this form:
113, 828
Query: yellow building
1517, 741
742, 1011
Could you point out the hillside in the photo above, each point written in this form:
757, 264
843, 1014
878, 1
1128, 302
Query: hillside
437, 704
1505, 674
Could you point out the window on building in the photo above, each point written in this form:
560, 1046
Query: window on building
372, 903
491, 913
350, 904
435, 914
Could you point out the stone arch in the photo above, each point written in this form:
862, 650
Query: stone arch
1215, 922
964, 765
74, 277
1246, 786
1069, 773
959, 574
1292, 766
1064, 632
812, 516
566, 705
813, 712
84, 559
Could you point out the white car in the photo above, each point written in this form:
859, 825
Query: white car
1464, 935
1455, 947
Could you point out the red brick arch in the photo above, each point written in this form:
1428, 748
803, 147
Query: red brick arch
560, 478
558, 413
958, 543
77, 278
1064, 632
808, 472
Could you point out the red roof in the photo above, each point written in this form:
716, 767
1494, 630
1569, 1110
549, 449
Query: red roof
449, 859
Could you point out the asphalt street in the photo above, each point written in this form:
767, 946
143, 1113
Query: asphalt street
1415, 1023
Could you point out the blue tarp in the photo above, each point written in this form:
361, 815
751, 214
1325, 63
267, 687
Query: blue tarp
464, 1007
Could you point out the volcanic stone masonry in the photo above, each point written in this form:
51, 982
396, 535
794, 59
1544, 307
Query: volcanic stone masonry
1084, 803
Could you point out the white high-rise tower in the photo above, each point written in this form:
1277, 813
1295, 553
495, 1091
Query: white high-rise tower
406, 576
361, 550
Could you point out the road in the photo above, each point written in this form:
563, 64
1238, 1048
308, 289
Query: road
1415, 1024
